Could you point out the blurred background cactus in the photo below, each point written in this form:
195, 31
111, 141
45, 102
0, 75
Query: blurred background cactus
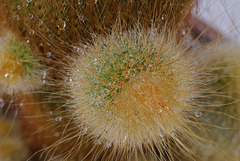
116, 80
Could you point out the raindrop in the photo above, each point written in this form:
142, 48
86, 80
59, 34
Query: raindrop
85, 131
198, 113
84, 46
50, 36
81, 17
15, 17
124, 140
61, 24
30, 16
18, 7
160, 111
31, 32
76, 49
183, 32
49, 54
58, 119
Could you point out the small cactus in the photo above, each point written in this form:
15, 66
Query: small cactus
132, 92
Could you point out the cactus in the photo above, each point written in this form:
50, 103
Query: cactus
19, 67
132, 92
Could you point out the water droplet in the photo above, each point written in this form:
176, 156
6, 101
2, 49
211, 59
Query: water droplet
49, 54
6, 75
50, 112
20, 104
183, 32
18, 7
1, 103
50, 36
61, 24
76, 49
15, 17
82, 18
124, 140
85, 131
58, 119
28, 1
198, 113
30, 16
31, 32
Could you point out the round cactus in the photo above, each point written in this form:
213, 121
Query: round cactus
133, 91
19, 67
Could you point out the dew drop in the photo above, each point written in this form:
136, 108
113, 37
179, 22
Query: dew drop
124, 140
160, 111
58, 119
1, 103
183, 32
18, 7
15, 17
49, 54
30, 16
31, 32
61, 24
85, 131
6, 75
198, 113
81, 17
84, 46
